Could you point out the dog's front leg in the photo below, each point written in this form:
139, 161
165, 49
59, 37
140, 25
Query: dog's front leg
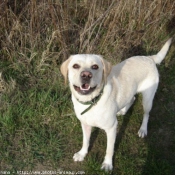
111, 136
79, 156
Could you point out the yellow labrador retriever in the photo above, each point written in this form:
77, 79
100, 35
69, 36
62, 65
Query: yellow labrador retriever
100, 91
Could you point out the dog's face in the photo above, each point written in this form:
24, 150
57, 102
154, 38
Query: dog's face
86, 73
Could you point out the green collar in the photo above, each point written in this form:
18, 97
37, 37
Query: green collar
92, 102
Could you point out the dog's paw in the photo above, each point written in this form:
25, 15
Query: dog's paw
121, 113
106, 167
142, 133
78, 157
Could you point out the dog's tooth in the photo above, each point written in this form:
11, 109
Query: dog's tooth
87, 87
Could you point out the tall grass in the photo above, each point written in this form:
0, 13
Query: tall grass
37, 122
51, 30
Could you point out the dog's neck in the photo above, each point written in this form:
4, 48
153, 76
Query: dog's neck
92, 102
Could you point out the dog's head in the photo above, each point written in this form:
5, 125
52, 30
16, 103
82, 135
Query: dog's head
87, 73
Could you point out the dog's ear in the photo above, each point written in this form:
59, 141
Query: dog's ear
64, 68
106, 68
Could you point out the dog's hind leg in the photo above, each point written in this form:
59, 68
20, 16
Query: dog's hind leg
148, 96
124, 110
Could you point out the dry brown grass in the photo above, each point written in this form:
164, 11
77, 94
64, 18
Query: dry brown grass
52, 30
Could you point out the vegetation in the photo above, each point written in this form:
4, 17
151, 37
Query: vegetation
38, 128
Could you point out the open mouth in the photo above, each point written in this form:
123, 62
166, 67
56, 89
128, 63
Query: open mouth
84, 89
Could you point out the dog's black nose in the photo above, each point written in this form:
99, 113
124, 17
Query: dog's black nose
86, 75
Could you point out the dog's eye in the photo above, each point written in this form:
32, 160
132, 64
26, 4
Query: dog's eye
94, 66
76, 66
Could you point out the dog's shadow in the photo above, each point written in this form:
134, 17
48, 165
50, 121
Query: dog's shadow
94, 136
121, 131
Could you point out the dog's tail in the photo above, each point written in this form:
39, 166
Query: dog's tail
162, 53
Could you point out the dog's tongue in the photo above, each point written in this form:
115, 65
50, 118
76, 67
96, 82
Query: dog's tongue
85, 87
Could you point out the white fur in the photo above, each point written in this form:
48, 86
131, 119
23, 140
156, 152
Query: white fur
135, 75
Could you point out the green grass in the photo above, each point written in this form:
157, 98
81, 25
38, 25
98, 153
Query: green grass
27, 125
39, 131
38, 128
